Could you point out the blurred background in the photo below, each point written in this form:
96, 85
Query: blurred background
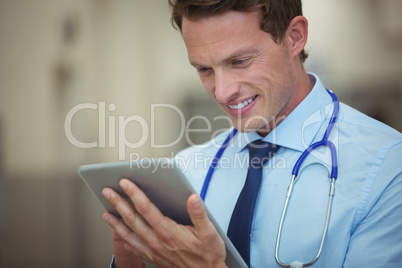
106, 73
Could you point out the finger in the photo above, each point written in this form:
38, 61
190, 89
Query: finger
142, 204
198, 215
117, 201
124, 232
128, 214
204, 229
127, 241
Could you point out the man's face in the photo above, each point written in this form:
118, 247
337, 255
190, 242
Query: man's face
250, 76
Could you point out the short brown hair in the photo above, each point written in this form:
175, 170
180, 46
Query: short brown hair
276, 14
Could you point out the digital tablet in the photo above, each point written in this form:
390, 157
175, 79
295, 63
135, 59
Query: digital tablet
164, 184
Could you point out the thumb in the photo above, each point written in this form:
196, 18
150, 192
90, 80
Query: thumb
198, 214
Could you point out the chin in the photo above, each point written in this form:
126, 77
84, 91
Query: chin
258, 125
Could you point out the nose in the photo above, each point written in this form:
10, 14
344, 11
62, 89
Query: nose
226, 88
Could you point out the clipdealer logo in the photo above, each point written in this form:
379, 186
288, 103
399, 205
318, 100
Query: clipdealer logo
316, 121
119, 123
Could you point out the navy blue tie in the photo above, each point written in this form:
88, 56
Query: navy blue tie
239, 230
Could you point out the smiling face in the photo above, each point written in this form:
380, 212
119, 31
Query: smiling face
255, 80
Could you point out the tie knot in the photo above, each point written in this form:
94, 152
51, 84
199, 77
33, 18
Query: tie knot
260, 152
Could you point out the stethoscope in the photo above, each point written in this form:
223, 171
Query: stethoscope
295, 172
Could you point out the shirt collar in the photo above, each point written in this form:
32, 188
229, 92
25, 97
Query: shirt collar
301, 126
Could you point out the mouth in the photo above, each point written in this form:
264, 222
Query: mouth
243, 104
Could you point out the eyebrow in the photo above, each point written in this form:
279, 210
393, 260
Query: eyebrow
235, 55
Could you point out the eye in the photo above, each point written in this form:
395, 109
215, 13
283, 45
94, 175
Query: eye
240, 62
203, 70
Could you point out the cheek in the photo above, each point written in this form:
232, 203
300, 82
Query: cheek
261, 79
270, 77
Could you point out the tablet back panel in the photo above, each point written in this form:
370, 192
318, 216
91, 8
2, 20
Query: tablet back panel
163, 183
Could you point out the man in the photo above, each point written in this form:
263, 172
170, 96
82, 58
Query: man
249, 55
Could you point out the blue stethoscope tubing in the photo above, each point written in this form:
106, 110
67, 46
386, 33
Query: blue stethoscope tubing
334, 174
214, 164
333, 177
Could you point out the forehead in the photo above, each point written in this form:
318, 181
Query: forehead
221, 34
228, 23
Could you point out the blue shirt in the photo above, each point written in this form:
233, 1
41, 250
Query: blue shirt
365, 228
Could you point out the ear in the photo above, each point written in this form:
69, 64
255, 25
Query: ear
297, 33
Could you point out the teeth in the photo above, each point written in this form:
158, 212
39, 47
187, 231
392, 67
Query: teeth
242, 104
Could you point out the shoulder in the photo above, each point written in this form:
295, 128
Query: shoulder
370, 146
365, 134
367, 146
356, 121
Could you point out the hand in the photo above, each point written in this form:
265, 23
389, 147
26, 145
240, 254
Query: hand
124, 258
158, 239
